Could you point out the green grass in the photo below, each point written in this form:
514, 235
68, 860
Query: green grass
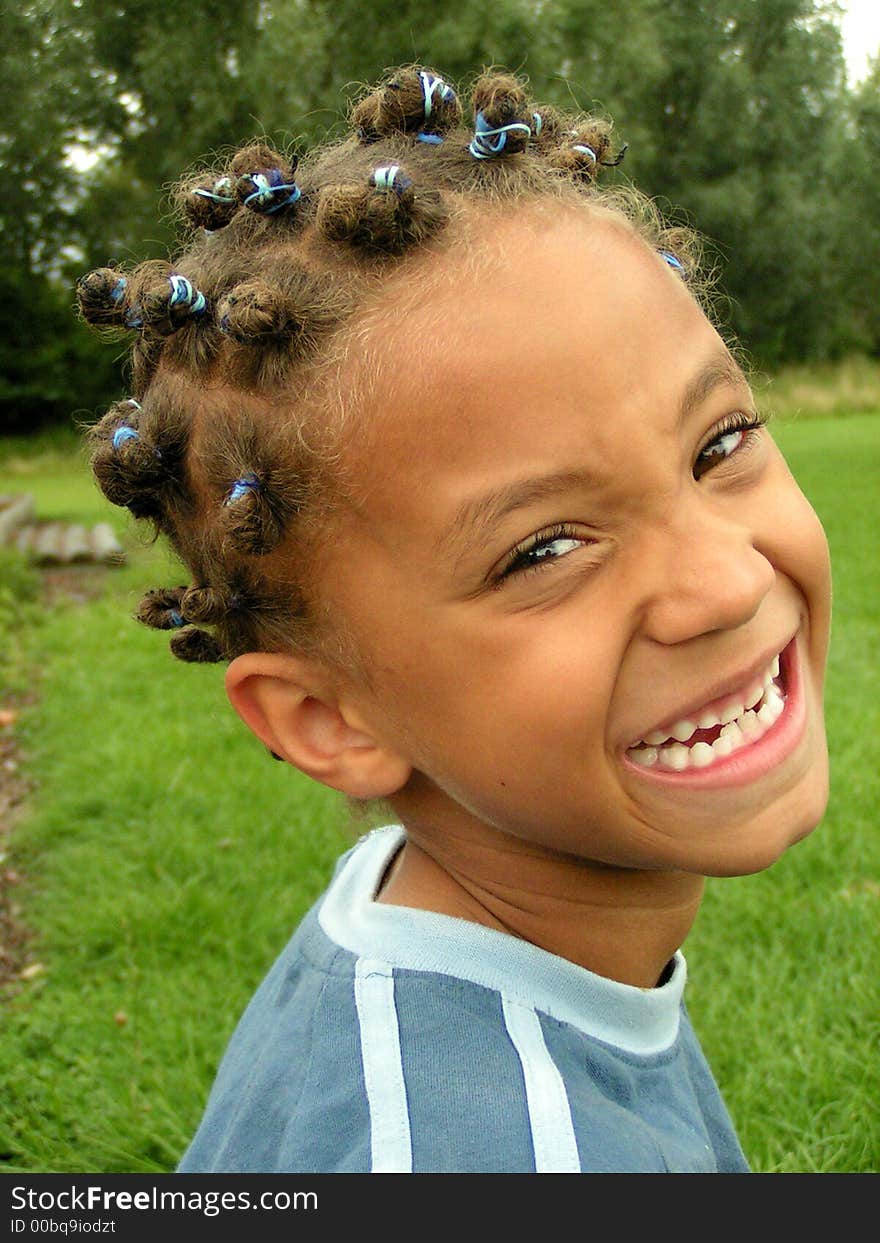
784, 983
167, 859
805, 390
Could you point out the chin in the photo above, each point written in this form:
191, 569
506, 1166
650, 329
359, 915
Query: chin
775, 830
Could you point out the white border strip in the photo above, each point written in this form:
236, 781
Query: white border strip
547, 1100
390, 1140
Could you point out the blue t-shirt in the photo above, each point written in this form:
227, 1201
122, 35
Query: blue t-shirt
387, 1039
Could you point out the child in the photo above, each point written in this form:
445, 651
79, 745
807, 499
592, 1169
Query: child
478, 505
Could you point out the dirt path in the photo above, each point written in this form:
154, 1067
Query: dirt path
14, 790
74, 585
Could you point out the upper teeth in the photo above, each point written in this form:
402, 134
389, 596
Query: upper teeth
745, 719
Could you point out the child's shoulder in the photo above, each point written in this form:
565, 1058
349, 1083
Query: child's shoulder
391, 1039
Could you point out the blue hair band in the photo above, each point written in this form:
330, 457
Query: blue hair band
672, 261
123, 434
432, 85
435, 139
390, 177
175, 618
216, 195
240, 488
184, 294
539, 122
488, 142
117, 293
270, 185
587, 151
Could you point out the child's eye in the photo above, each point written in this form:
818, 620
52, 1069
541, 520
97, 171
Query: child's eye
733, 434
540, 551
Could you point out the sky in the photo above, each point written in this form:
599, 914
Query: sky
861, 35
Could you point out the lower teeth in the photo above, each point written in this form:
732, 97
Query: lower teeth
742, 732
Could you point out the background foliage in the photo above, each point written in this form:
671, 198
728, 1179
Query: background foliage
737, 114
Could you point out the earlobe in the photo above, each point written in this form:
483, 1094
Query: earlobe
294, 708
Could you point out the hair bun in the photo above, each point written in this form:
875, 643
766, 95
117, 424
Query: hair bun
263, 180
196, 646
385, 216
160, 608
100, 295
413, 100
257, 311
503, 121
207, 202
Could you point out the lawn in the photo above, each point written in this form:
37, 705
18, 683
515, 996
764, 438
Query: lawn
164, 860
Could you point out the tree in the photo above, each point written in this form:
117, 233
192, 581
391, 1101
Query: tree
736, 113
752, 93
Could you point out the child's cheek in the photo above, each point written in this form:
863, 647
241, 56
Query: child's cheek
799, 549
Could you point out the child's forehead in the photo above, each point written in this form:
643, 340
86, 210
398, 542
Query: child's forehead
491, 244
533, 302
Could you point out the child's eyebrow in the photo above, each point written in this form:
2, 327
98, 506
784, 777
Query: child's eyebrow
475, 517
718, 371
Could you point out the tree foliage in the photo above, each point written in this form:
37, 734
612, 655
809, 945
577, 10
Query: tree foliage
737, 114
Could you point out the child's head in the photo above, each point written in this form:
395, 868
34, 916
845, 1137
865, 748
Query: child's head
470, 492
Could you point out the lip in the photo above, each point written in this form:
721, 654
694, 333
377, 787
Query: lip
752, 761
719, 694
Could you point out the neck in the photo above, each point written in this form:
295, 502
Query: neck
619, 923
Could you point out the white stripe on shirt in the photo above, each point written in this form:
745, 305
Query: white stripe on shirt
390, 1141
550, 1121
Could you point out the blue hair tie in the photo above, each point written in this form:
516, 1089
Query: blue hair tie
270, 186
390, 177
247, 483
435, 139
539, 122
123, 434
117, 293
216, 195
184, 294
488, 142
432, 85
672, 261
587, 151
175, 618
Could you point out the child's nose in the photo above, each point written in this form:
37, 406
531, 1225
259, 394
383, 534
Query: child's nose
707, 575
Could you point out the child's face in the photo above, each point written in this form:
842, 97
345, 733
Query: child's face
566, 407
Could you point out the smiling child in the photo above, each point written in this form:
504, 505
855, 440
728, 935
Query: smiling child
479, 507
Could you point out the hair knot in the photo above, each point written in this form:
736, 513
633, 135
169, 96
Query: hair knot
219, 192
440, 107
490, 141
208, 203
161, 300
196, 646
160, 608
101, 295
208, 604
268, 191
391, 177
412, 101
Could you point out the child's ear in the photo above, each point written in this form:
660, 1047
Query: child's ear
292, 705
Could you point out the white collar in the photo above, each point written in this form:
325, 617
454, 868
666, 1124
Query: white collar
638, 1020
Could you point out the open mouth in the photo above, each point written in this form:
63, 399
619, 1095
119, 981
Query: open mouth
719, 730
